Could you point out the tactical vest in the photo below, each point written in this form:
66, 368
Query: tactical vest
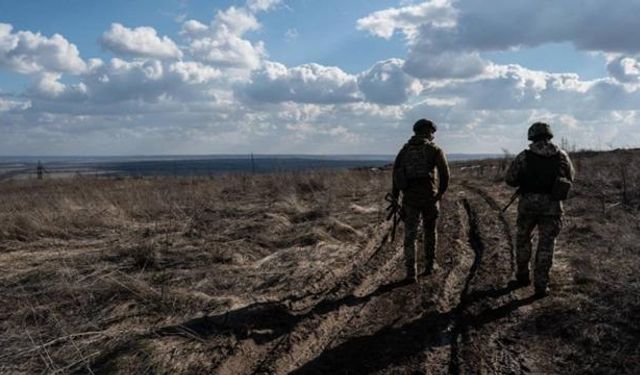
418, 161
540, 173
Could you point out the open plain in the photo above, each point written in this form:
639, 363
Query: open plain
298, 273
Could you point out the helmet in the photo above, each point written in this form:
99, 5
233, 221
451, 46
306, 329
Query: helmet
539, 130
423, 126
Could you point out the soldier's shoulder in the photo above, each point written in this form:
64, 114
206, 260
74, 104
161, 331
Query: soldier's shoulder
521, 156
564, 155
433, 146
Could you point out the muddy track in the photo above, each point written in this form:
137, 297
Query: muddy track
257, 336
314, 330
366, 322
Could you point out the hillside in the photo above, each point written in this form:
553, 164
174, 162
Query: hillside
296, 272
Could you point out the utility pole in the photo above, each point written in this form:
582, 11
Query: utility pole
40, 170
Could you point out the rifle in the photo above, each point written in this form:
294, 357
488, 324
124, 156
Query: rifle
393, 213
513, 198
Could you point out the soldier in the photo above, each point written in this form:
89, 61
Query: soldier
414, 175
538, 172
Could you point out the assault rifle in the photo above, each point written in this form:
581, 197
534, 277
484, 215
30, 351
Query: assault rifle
513, 199
394, 212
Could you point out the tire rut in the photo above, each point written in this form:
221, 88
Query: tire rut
316, 328
489, 300
447, 323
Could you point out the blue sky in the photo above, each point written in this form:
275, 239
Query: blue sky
310, 76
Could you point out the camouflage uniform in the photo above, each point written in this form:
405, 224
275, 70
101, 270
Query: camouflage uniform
537, 209
414, 175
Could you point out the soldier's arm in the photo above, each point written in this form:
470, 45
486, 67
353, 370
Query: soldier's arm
513, 172
443, 173
395, 190
566, 167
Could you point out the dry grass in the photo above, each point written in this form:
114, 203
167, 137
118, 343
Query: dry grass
86, 263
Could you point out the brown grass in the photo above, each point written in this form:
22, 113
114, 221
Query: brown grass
86, 263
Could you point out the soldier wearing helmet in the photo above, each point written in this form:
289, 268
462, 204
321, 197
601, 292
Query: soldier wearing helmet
540, 174
414, 175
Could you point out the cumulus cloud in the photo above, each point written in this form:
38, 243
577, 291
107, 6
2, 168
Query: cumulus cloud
139, 42
222, 42
474, 25
228, 50
445, 37
442, 65
262, 5
384, 23
592, 25
28, 52
387, 83
309, 83
220, 94
194, 29
8, 103
624, 69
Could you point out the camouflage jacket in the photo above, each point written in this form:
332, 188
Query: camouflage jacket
421, 190
534, 203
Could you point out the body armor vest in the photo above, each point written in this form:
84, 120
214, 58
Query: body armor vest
540, 173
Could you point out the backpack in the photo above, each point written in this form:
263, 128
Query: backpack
416, 163
542, 175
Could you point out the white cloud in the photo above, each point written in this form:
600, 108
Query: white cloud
222, 43
262, 5
27, 52
139, 42
236, 21
194, 72
445, 37
387, 83
8, 103
291, 34
228, 50
423, 63
438, 13
624, 69
219, 94
503, 24
194, 29
49, 85
309, 83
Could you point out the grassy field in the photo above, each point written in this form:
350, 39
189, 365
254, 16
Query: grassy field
295, 272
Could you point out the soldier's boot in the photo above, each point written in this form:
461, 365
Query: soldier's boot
541, 291
541, 282
410, 278
522, 278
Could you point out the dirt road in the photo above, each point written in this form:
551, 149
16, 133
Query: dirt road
457, 320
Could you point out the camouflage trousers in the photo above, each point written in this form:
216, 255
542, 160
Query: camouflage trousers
548, 229
411, 217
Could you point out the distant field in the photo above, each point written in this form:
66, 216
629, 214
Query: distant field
25, 167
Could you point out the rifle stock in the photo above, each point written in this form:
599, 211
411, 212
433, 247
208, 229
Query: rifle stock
513, 198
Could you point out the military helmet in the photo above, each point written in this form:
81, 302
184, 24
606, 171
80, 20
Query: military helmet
539, 130
423, 126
